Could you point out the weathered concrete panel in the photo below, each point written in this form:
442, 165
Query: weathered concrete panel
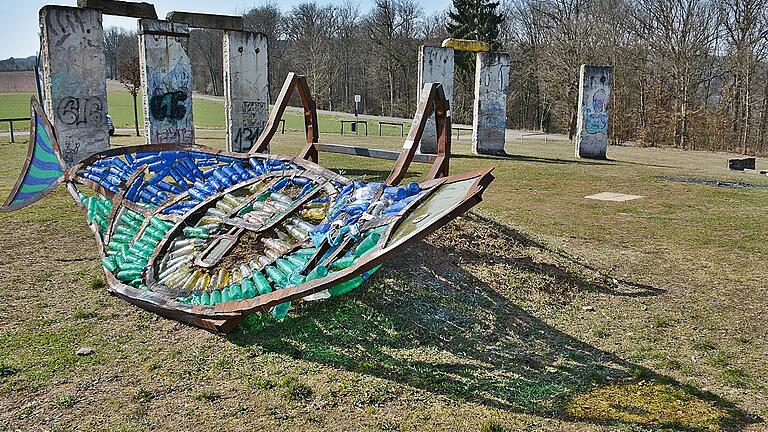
203, 20
435, 65
592, 127
120, 8
72, 43
166, 82
246, 87
490, 108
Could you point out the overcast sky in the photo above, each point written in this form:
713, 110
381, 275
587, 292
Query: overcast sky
19, 19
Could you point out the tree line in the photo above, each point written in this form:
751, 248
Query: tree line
687, 73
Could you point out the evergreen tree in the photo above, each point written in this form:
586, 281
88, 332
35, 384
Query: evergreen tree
478, 20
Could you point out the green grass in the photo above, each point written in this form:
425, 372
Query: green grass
479, 326
206, 114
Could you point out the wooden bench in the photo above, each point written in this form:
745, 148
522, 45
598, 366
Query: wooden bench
400, 124
458, 129
526, 135
341, 123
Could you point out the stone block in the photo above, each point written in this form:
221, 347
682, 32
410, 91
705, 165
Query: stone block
210, 21
490, 108
592, 126
74, 79
120, 8
246, 87
435, 65
166, 81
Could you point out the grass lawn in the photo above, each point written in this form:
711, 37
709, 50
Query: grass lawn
206, 113
539, 310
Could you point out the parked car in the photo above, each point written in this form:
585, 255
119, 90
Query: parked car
110, 125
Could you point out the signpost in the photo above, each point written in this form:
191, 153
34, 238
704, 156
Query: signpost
357, 111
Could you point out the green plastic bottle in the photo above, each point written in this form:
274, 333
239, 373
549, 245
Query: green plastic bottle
215, 297
367, 244
346, 287
261, 283
317, 273
276, 275
285, 266
249, 291
281, 310
109, 263
344, 262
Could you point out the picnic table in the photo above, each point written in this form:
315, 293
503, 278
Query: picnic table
458, 129
342, 122
391, 123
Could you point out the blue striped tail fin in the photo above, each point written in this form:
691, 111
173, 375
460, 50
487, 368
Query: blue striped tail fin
43, 169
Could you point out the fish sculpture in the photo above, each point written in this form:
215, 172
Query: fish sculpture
207, 237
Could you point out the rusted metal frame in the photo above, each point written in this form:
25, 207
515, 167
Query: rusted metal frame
139, 298
371, 152
274, 298
443, 123
311, 127
290, 210
292, 82
414, 134
203, 205
117, 205
222, 318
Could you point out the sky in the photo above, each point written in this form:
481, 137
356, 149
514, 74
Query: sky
19, 26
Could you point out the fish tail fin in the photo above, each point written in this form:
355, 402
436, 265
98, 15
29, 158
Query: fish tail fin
44, 167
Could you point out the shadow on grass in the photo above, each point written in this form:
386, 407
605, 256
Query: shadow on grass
535, 159
427, 322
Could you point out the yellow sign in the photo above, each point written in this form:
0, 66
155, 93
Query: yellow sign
466, 45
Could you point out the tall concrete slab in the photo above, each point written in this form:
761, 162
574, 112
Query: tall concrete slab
592, 126
166, 82
435, 65
490, 108
74, 76
246, 87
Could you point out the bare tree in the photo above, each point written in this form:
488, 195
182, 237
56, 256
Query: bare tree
393, 29
129, 74
206, 53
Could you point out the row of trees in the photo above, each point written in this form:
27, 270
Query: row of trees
687, 73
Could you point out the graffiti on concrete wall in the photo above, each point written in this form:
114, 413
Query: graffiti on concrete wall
435, 65
167, 77
246, 88
592, 127
490, 107
74, 79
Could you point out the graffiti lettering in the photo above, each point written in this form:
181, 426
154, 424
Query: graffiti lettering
70, 150
168, 106
78, 111
254, 113
245, 138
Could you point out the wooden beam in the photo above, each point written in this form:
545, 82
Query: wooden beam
371, 152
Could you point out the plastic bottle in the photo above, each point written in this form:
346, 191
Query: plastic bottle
261, 283
345, 287
367, 244
280, 311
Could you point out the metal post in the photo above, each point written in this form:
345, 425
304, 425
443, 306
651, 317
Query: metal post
10, 129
